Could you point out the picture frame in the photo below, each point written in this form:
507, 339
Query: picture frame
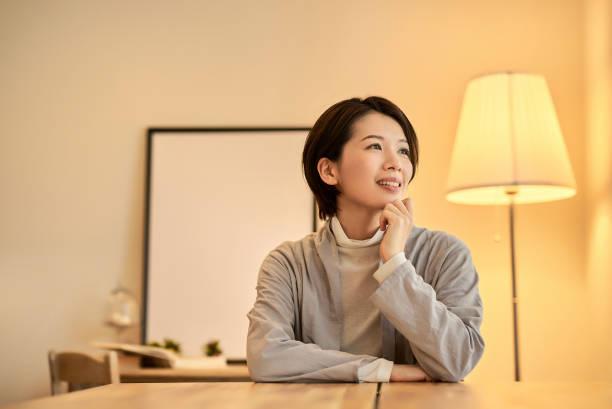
218, 200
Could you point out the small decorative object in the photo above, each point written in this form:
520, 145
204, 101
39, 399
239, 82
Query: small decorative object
122, 309
212, 348
168, 344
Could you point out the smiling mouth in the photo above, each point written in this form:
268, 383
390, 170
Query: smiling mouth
387, 183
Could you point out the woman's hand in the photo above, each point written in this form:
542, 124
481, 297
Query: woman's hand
409, 373
398, 218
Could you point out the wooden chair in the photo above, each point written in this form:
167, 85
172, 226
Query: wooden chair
81, 370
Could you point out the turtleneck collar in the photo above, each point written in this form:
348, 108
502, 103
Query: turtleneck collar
343, 240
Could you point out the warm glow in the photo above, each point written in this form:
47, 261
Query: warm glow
509, 139
598, 171
493, 195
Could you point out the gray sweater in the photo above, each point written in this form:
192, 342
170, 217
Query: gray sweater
430, 305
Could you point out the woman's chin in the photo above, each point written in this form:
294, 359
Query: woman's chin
392, 198
381, 205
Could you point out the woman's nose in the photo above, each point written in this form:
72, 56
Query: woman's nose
392, 162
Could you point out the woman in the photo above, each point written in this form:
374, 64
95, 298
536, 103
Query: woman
370, 297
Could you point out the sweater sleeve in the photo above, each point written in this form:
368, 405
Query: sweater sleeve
273, 353
441, 323
389, 267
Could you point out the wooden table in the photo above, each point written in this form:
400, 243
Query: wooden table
204, 395
496, 395
500, 395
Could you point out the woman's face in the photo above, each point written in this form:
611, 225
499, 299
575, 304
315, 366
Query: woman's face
374, 167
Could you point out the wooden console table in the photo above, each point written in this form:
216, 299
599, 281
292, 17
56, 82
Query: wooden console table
131, 372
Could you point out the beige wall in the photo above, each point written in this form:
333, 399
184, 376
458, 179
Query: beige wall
598, 168
81, 81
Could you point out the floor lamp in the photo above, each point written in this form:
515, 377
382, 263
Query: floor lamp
509, 150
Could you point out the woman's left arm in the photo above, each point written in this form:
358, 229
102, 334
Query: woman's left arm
442, 324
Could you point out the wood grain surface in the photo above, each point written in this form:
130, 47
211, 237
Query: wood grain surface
501, 395
213, 395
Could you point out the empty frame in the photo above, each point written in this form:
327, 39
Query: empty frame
218, 201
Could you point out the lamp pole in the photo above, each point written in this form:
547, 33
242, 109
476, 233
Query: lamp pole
511, 192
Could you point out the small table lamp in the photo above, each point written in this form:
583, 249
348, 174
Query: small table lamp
509, 149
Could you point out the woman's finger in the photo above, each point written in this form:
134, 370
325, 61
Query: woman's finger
407, 202
396, 204
392, 214
404, 206
400, 205
383, 220
394, 207
387, 217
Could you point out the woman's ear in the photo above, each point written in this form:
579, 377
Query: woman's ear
327, 171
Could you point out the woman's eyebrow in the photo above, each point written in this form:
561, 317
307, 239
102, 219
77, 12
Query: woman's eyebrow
381, 138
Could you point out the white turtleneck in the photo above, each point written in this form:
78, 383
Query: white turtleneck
361, 271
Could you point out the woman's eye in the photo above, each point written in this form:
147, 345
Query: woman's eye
405, 151
375, 145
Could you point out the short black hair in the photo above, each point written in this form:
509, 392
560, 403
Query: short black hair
330, 133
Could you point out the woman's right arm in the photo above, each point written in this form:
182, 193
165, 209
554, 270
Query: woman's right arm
273, 354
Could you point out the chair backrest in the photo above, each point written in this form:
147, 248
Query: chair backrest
81, 370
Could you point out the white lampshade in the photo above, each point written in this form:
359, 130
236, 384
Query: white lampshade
509, 140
